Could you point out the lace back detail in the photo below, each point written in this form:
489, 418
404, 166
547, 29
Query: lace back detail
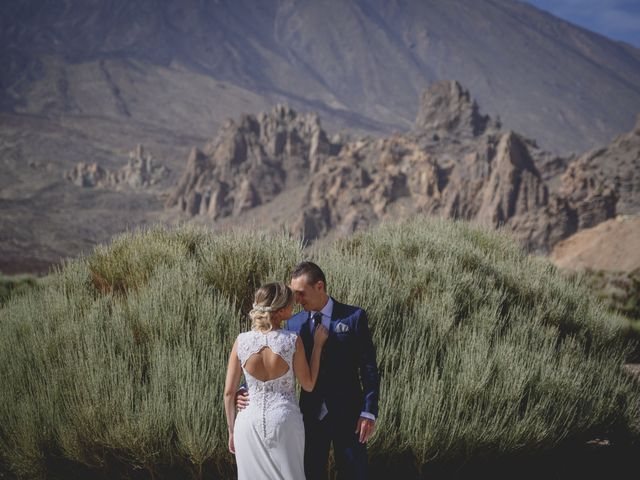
282, 343
271, 401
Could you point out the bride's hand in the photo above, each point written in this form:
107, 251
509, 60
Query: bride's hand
232, 447
320, 336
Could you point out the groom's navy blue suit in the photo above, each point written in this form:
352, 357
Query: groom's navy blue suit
348, 384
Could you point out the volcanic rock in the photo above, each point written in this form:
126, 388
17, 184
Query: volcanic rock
250, 162
456, 163
87, 175
140, 172
446, 109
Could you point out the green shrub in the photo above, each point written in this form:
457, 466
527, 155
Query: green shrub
620, 291
15, 285
484, 349
119, 359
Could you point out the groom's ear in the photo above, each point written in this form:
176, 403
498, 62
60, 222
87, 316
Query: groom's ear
321, 286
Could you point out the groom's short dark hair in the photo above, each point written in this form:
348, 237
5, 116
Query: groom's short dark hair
313, 272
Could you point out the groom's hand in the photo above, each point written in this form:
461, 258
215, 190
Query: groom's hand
365, 428
242, 399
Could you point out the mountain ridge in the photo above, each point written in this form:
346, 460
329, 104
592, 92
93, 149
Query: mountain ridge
360, 64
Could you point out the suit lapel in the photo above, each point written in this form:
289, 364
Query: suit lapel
336, 315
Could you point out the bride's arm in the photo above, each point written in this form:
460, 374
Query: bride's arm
234, 371
305, 375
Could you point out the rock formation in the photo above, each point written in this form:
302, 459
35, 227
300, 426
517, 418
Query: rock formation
454, 162
140, 172
447, 108
251, 162
87, 175
608, 178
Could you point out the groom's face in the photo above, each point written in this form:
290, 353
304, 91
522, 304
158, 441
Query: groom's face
310, 296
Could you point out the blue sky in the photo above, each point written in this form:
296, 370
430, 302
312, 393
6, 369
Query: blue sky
616, 19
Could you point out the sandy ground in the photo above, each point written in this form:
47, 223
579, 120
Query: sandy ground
610, 245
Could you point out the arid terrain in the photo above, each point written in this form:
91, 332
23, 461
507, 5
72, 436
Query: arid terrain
611, 245
359, 136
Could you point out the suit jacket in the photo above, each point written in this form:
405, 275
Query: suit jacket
348, 381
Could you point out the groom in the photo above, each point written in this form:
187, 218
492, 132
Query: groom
344, 404
342, 408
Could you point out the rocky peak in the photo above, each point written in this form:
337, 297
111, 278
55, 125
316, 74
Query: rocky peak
250, 161
514, 187
447, 109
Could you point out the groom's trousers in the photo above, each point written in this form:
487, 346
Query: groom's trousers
350, 455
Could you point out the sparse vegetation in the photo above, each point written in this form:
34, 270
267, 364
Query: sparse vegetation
118, 362
621, 292
15, 285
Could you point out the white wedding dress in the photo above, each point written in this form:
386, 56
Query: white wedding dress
269, 433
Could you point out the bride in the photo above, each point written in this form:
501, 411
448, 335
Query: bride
267, 437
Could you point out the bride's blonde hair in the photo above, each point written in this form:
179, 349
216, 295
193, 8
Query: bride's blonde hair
269, 299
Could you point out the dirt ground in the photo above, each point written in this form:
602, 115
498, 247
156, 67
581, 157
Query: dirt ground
611, 245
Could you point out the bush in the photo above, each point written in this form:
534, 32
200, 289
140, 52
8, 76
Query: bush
119, 360
620, 291
484, 350
15, 285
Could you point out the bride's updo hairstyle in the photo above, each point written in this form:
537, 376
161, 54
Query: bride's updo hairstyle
268, 300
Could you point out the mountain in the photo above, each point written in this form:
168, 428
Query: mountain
85, 82
187, 65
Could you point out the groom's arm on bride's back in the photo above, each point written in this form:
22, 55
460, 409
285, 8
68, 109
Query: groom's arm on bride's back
242, 397
368, 366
